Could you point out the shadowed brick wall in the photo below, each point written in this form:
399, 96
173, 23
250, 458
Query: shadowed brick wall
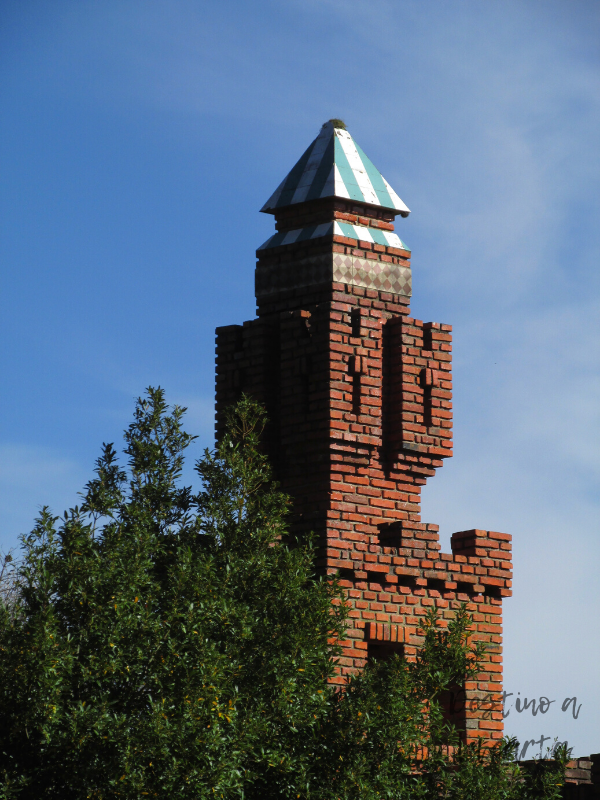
359, 394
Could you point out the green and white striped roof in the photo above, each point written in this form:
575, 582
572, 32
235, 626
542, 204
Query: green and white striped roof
335, 166
358, 232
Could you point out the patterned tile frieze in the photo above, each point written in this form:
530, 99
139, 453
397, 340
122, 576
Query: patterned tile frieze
371, 274
333, 268
335, 166
358, 232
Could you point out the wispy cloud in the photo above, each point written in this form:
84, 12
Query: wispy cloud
32, 477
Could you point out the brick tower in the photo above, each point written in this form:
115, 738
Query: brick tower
358, 395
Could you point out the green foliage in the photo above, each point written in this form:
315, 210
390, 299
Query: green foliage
542, 778
161, 643
492, 774
9, 582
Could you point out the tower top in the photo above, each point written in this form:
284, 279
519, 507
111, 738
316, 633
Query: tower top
335, 166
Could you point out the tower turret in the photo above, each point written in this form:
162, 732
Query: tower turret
359, 401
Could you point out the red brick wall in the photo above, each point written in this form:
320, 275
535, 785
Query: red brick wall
359, 400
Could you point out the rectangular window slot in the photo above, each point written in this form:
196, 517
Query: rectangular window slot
346, 574
433, 584
383, 651
377, 577
390, 534
427, 407
462, 587
356, 394
355, 322
453, 702
427, 339
427, 379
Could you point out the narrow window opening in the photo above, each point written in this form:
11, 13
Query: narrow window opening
427, 407
384, 651
427, 381
355, 322
356, 394
454, 702
433, 584
427, 339
390, 534
380, 578
408, 581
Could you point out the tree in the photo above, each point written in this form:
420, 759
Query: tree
9, 584
161, 643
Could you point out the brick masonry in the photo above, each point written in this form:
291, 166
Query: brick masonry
359, 398
582, 778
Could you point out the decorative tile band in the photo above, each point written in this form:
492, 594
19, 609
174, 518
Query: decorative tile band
333, 268
358, 232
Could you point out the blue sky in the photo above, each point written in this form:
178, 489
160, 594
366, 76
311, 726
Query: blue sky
139, 140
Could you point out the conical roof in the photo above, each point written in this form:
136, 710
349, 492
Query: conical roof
335, 166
